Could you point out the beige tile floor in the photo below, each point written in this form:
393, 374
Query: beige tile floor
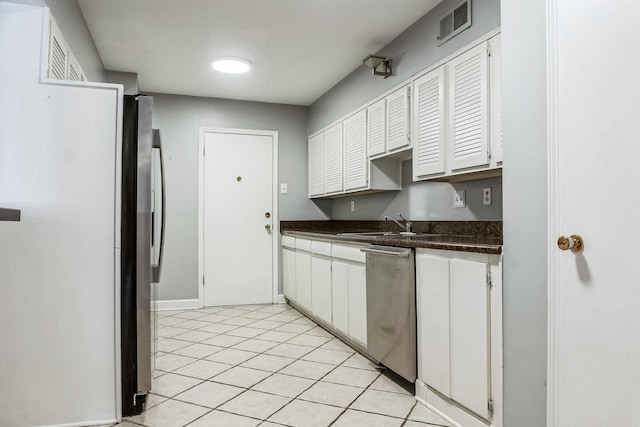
268, 365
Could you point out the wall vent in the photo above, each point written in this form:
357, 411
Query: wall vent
455, 21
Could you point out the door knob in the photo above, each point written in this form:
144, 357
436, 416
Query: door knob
573, 242
267, 227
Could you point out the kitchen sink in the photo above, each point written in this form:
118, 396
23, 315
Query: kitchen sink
368, 233
390, 235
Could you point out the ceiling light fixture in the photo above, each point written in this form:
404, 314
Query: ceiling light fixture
232, 65
381, 66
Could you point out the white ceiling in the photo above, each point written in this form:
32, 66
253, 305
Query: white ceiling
299, 48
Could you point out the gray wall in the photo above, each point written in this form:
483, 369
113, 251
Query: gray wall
179, 118
128, 80
69, 17
413, 50
525, 211
424, 201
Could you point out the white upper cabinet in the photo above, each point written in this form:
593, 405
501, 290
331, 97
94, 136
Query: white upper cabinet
339, 164
429, 149
377, 127
457, 121
333, 159
469, 108
316, 165
495, 83
355, 151
62, 63
451, 127
398, 119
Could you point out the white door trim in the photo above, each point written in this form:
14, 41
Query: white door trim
275, 214
553, 332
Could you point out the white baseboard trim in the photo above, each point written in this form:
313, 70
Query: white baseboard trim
456, 416
85, 423
176, 304
281, 299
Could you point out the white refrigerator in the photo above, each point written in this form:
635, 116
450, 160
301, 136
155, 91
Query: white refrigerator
60, 165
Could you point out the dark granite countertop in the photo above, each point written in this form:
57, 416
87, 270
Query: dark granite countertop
465, 236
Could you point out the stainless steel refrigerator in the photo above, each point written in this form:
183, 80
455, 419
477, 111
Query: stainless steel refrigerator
140, 234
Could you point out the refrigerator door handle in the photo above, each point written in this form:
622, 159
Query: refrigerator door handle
157, 269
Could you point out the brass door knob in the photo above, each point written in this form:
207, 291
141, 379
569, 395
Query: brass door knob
573, 242
267, 227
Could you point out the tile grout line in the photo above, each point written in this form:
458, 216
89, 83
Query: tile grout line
272, 373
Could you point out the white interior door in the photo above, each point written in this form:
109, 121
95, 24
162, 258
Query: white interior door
238, 219
595, 293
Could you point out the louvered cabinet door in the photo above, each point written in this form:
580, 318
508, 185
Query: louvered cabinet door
495, 76
468, 109
74, 71
469, 296
355, 151
316, 166
377, 127
333, 159
58, 53
398, 119
429, 120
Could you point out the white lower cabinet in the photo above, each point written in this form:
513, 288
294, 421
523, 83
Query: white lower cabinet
329, 282
303, 273
349, 284
289, 267
459, 335
358, 303
321, 280
340, 295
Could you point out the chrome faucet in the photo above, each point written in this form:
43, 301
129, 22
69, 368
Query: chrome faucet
406, 226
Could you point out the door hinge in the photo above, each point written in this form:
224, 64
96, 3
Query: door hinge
202, 280
488, 49
409, 92
409, 136
490, 405
203, 150
489, 279
489, 151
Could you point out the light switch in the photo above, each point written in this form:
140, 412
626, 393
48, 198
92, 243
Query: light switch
283, 188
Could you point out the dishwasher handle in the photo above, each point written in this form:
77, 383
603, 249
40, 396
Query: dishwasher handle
389, 251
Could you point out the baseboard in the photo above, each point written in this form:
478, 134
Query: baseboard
281, 299
176, 304
85, 423
444, 407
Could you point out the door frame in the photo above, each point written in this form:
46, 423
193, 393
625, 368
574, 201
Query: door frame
275, 262
553, 182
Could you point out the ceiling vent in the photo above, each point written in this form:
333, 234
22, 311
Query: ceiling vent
455, 21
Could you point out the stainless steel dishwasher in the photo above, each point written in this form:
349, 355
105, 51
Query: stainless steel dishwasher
391, 308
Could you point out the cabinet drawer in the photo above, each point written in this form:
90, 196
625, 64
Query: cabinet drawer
350, 253
288, 242
303, 244
321, 248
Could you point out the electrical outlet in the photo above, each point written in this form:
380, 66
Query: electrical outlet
486, 196
283, 188
353, 206
459, 200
